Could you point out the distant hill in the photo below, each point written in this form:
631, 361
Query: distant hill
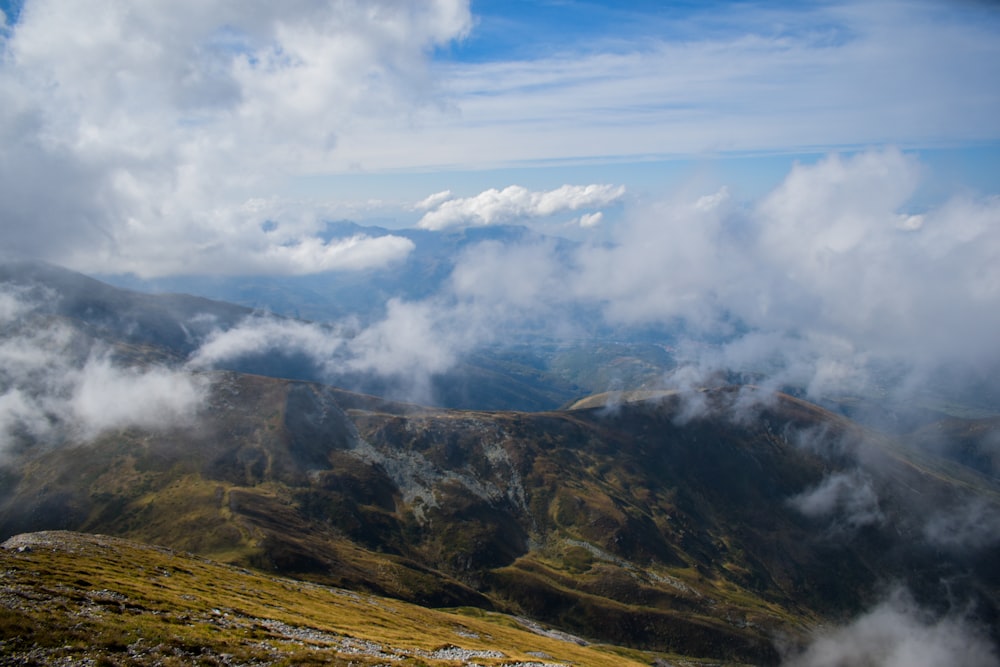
176, 323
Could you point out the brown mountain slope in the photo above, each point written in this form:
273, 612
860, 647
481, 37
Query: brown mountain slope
665, 524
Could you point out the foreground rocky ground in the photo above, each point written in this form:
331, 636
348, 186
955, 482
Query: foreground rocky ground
78, 599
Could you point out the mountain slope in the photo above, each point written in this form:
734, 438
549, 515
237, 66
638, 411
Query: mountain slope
625, 525
86, 599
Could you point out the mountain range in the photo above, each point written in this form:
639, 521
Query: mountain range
727, 523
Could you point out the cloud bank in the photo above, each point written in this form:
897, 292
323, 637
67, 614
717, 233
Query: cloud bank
831, 282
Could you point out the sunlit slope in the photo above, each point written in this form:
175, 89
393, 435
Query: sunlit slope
71, 598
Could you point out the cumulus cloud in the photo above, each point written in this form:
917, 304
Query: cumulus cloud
514, 203
816, 284
899, 633
141, 138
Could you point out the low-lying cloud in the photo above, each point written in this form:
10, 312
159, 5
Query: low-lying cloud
263, 335
848, 500
105, 396
971, 525
56, 384
899, 633
833, 282
516, 203
313, 255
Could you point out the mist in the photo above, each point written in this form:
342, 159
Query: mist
898, 632
834, 284
58, 385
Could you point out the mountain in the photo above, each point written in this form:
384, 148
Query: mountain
622, 526
721, 524
179, 324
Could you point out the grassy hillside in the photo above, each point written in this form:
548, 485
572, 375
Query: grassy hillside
70, 598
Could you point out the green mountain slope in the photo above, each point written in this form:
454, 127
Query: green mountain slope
625, 525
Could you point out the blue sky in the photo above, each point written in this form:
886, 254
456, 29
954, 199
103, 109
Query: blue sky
816, 78
140, 131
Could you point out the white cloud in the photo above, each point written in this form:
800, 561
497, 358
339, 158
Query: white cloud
433, 201
137, 137
105, 396
257, 336
412, 343
56, 383
816, 281
514, 203
815, 285
846, 498
312, 255
12, 304
414, 340
966, 526
822, 76
898, 633
510, 281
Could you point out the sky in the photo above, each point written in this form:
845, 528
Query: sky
164, 138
